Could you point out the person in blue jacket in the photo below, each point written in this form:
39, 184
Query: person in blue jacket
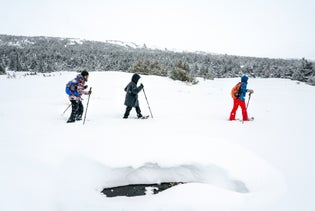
240, 100
75, 88
131, 99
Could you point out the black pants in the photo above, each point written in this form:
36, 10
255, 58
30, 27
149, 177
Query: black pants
77, 110
128, 109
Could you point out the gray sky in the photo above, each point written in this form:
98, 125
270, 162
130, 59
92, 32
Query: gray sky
262, 28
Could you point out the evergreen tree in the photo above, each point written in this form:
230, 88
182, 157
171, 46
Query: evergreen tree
181, 72
304, 72
2, 70
42, 54
140, 67
156, 69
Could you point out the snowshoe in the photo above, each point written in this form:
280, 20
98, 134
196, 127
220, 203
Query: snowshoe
249, 119
143, 117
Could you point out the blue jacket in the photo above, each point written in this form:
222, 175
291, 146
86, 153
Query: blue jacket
243, 88
75, 87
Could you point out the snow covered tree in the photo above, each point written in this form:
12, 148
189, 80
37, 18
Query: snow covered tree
204, 72
181, 72
2, 70
140, 67
156, 69
45, 54
304, 72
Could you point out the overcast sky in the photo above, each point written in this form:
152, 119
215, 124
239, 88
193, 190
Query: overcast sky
262, 28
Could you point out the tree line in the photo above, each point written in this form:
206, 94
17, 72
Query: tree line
50, 54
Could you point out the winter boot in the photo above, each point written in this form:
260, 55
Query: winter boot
127, 112
70, 120
232, 116
75, 106
78, 118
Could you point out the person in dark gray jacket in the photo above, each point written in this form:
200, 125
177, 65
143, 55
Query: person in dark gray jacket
131, 99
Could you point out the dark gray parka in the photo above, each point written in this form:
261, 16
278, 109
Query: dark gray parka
132, 91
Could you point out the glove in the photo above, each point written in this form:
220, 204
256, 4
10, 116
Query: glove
90, 92
86, 86
250, 91
141, 85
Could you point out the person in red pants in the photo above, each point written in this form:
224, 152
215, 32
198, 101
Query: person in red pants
239, 100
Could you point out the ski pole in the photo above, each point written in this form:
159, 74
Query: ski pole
87, 104
66, 109
147, 103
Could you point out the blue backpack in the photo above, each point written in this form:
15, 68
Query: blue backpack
71, 88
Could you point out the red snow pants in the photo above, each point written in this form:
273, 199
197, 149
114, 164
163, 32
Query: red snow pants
238, 102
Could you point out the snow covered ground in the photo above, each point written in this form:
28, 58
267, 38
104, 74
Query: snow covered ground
46, 164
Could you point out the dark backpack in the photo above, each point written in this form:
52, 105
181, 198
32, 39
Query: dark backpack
235, 92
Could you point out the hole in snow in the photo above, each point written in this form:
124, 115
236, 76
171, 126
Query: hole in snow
138, 189
152, 179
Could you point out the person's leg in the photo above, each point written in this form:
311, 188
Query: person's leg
244, 110
75, 107
127, 112
80, 111
138, 110
233, 112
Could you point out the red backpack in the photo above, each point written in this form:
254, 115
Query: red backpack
235, 92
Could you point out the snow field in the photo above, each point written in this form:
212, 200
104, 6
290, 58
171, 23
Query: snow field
50, 165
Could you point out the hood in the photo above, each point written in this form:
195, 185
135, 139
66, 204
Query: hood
244, 79
135, 78
80, 77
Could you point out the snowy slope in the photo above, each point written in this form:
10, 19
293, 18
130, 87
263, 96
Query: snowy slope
47, 164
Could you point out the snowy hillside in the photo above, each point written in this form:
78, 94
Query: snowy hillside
47, 164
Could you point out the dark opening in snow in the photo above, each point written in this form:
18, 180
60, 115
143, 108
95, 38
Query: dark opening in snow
152, 179
138, 189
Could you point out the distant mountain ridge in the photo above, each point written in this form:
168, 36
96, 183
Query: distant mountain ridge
27, 41
48, 54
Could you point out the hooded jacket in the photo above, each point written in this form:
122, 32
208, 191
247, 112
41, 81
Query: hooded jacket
132, 91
